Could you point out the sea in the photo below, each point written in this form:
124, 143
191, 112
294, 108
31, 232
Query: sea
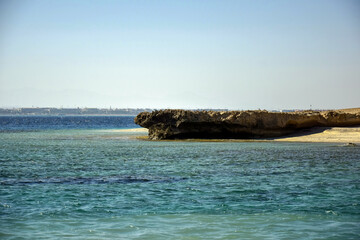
89, 177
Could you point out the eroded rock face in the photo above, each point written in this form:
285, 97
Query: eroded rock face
181, 124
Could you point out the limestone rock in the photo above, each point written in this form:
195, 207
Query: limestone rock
182, 124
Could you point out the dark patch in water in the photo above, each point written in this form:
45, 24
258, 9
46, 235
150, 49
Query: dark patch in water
18, 130
91, 180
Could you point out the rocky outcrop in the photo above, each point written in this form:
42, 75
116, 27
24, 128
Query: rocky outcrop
182, 124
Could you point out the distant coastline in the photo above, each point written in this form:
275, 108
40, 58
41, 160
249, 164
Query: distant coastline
47, 111
50, 111
72, 111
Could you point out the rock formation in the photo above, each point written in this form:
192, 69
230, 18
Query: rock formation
182, 124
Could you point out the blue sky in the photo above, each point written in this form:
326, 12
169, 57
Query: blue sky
180, 54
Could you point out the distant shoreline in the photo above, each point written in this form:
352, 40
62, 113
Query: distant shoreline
72, 111
50, 111
67, 115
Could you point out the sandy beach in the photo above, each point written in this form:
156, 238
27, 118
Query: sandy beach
335, 134
133, 130
332, 135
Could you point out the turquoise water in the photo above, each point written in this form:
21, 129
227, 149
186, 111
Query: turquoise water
102, 184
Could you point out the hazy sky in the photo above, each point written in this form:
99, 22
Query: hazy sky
180, 54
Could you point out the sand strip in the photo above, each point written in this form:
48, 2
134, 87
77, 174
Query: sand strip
330, 135
133, 130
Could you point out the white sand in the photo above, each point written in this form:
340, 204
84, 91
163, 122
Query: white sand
139, 130
335, 134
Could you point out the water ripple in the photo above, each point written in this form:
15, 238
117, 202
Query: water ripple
91, 180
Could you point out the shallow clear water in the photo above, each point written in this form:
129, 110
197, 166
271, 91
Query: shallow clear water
96, 183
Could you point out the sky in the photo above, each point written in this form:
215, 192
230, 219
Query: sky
236, 55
